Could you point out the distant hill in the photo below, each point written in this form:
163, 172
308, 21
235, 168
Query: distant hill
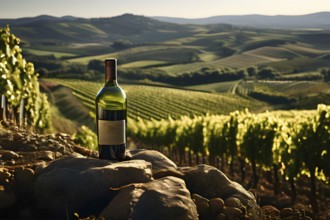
162, 49
49, 30
316, 20
52, 30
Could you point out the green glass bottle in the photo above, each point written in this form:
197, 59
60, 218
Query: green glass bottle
111, 115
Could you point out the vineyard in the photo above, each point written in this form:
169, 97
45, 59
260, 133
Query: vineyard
291, 144
160, 102
288, 144
21, 100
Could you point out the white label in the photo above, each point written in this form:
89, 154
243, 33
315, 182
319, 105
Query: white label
112, 132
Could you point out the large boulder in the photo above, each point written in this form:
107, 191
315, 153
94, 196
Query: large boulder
211, 183
158, 160
165, 198
85, 185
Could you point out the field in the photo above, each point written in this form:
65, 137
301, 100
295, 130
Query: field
147, 100
157, 102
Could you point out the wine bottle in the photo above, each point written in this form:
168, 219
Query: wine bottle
111, 115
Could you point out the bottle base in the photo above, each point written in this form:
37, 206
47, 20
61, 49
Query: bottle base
112, 152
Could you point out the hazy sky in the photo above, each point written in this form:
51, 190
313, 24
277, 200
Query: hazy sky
172, 8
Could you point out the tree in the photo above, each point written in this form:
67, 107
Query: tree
96, 65
326, 74
252, 71
267, 72
121, 44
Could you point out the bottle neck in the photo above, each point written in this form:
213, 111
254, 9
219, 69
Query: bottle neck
110, 71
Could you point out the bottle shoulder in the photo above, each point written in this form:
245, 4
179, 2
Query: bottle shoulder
111, 91
111, 98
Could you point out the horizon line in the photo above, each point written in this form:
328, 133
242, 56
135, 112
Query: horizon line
153, 16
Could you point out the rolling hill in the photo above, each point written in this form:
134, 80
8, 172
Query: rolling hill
53, 30
315, 20
150, 45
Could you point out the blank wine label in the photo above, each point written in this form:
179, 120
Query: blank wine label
112, 132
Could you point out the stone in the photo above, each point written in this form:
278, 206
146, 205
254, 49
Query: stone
158, 160
233, 202
286, 212
216, 205
210, 182
4, 176
270, 210
221, 216
85, 185
232, 212
24, 176
202, 204
7, 199
8, 155
161, 199
23, 181
167, 172
46, 155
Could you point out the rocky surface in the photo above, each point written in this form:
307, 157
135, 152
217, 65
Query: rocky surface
165, 198
49, 177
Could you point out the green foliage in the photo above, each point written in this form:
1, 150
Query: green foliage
258, 140
86, 138
96, 65
267, 73
326, 74
298, 143
19, 82
252, 71
121, 44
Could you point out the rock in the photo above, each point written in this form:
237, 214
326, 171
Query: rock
46, 155
168, 172
232, 212
233, 202
83, 185
202, 204
8, 155
221, 216
210, 182
286, 212
216, 205
4, 176
158, 160
270, 210
23, 181
7, 199
161, 199
24, 176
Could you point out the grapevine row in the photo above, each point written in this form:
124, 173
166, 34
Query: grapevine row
292, 146
159, 103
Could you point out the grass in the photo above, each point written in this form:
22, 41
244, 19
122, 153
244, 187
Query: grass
273, 53
143, 64
220, 87
302, 64
305, 49
49, 53
59, 123
67, 112
301, 76
152, 50
288, 94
